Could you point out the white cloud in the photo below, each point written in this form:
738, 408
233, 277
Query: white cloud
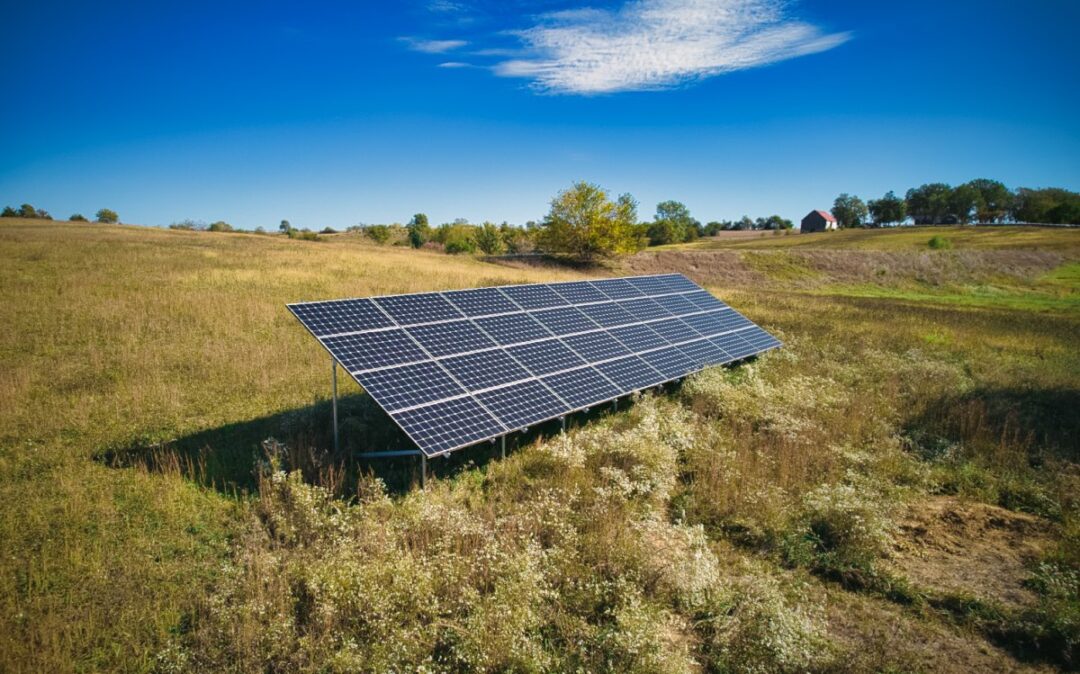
455, 64
656, 44
433, 46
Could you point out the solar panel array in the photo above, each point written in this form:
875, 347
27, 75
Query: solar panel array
459, 367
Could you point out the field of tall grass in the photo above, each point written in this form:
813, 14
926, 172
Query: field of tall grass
753, 519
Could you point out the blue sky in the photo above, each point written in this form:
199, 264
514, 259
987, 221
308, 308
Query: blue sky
339, 113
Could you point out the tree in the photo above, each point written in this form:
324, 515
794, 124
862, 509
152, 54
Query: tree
220, 226
1051, 205
77, 217
27, 211
284, 227
9, 212
962, 202
993, 202
42, 214
419, 230
849, 210
929, 204
889, 209
516, 239
672, 224
107, 216
584, 223
488, 239
714, 227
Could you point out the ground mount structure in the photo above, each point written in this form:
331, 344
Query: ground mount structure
460, 367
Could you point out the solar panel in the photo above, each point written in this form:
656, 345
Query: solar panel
459, 367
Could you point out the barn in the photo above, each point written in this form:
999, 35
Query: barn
817, 221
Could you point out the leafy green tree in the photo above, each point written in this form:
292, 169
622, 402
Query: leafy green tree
1051, 205
27, 211
419, 230
42, 214
929, 204
672, 224
107, 216
743, 223
584, 223
849, 210
713, 228
284, 227
9, 212
887, 210
994, 200
77, 217
489, 240
220, 226
962, 203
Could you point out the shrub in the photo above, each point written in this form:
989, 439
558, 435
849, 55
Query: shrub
303, 235
78, 217
939, 242
380, 234
220, 226
107, 216
328, 230
844, 528
460, 241
189, 225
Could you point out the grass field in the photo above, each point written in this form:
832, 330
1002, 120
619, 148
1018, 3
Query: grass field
895, 490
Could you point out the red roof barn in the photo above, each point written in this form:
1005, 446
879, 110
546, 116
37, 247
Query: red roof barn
817, 221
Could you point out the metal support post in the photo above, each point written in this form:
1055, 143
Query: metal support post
423, 470
562, 423
333, 362
502, 451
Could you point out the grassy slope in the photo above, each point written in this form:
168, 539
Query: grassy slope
116, 335
903, 238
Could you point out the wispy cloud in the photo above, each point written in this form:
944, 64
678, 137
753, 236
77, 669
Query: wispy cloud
455, 64
656, 44
433, 46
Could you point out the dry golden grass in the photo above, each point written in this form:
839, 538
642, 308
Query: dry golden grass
118, 336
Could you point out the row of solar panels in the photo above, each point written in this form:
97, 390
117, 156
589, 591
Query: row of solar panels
458, 367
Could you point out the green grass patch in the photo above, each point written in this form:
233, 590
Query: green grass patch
779, 266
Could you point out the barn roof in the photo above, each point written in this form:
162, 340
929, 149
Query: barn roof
827, 215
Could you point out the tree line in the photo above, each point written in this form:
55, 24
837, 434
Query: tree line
982, 200
104, 215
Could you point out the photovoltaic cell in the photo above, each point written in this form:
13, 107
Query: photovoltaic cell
413, 309
545, 357
330, 318
638, 338
631, 373
480, 301
583, 387
367, 350
484, 369
578, 292
709, 324
734, 345
447, 425
704, 352
564, 320
674, 330
670, 362
649, 285
534, 296
617, 288
704, 301
512, 328
524, 404
443, 339
678, 283
608, 315
644, 309
677, 304
596, 346
458, 367
409, 385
